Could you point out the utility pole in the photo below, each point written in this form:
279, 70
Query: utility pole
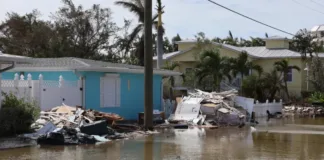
148, 58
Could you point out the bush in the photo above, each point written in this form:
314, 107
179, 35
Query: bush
306, 94
16, 115
316, 97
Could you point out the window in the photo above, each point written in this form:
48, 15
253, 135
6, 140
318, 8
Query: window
110, 90
289, 75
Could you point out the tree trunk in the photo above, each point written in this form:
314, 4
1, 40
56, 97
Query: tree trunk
159, 47
286, 88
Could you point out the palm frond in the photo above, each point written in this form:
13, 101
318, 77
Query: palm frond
295, 67
257, 68
133, 35
133, 6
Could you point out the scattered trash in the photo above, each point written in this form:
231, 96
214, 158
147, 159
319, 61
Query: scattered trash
66, 125
66, 136
96, 128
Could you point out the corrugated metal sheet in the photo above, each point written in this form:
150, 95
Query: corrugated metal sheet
263, 52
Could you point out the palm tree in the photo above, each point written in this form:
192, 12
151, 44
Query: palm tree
262, 87
304, 43
231, 40
171, 79
284, 68
214, 66
136, 7
242, 66
266, 35
160, 32
257, 42
171, 66
271, 84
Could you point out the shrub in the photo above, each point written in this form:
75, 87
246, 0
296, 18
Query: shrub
306, 94
16, 115
317, 97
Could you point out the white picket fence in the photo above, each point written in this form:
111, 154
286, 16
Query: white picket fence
260, 109
46, 93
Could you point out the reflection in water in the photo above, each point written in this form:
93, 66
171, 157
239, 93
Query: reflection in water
148, 148
197, 144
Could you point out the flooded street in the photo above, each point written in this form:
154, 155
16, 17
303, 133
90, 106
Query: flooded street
276, 139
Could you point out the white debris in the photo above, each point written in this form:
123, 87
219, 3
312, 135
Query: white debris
199, 104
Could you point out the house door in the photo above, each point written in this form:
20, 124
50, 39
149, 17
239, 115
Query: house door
110, 91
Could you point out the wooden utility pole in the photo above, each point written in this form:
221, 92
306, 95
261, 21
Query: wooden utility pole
148, 58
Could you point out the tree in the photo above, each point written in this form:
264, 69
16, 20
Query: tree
271, 84
317, 76
171, 79
89, 30
257, 42
160, 32
284, 68
171, 66
167, 46
174, 40
242, 66
72, 32
304, 42
214, 66
230, 39
136, 7
26, 35
264, 87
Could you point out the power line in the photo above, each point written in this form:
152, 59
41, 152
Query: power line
317, 3
250, 18
308, 7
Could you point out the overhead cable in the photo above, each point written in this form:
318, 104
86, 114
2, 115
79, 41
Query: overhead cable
213, 2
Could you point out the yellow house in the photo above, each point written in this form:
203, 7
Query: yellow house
276, 49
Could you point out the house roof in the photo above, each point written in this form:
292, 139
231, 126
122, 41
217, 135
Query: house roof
263, 52
14, 58
172, 54
318, 28
70, 63
254, 52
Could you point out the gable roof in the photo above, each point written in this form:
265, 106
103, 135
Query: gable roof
70, 63
172, 54
254, 52
14, 58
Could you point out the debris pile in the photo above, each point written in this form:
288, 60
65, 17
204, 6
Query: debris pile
73, 117
66, 125
302, 110
208, 109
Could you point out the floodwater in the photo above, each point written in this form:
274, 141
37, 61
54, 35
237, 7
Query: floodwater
295, 139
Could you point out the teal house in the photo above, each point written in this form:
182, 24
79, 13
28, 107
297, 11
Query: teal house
107, 87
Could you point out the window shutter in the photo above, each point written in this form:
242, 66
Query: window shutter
101, 92
118, 86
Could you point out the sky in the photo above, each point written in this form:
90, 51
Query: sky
188, 17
